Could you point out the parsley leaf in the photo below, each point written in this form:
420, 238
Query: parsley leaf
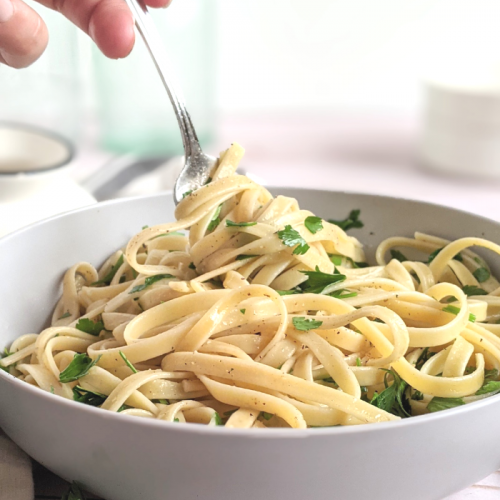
216, 420
396, 254
433, 255
243, 311
455, 310
291, 237
243, 257
425, 355
127, 362
289, 292
336, 259
187, 193
350, 223
192, 266
230, 223
473, 290
491, 386
314, 224
393, 398
75, 492
215, 219
304, 325
149, 281
111, 274
78, 368
88, 397
65, 315
342, 294
417, 396
358, 361
317, 281
88, 326
267, 416
490, 375
481, 274
438, 404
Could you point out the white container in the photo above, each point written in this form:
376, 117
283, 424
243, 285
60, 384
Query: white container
461, 124
34, 177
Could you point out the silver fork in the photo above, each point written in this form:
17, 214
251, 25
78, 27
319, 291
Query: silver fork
197, 165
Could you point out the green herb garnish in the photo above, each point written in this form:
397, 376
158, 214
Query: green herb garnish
75, 492
393, 398
351, 222
304, 325
358, 361
417, 396
243, 311
288, 292
192, 266
342, 294
314, 224
455, 310
111, 274
65, 315
481, 274
149, 281
216, 420
291, 237
215, 219
88, 326
230, 223
187, 193
317, 280
470, 290
433, 255
267, 416
78, 368
396, 254
438, 404
127, 362
425, 355
243, 257
490, 386
88, 397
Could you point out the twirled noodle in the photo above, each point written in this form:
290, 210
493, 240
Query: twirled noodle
266, 316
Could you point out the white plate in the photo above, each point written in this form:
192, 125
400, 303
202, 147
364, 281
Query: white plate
126, 458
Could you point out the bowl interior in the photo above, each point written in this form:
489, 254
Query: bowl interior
41, 253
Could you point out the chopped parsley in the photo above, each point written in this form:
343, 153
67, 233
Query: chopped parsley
215, 219
216, 420
65, 315
417, 396
358, 361
176, 420
78, 368
342, 294
338, 259
304, 325
144, 227
243, 311
192, 266
111, 274
288, 292
455, 310
396, 254
187, 193
75, 492
481, 274
88, 397
127, 362
267, 416
149, 281
438, 404
317, 280
490, 386
313, 224
291, 237
393, 398
425, 355
351, 222
244, 257
88, 326
230, 223
470, 290
433, 255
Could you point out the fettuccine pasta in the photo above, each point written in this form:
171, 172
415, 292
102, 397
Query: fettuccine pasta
263, 315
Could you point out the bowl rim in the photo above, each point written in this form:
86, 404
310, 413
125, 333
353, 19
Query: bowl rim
68, 145
275, 433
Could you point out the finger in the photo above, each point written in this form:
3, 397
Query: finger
108, 22
23, 34
158, 3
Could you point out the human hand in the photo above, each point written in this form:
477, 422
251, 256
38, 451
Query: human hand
24, 36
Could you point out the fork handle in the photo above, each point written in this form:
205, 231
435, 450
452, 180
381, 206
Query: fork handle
155, 46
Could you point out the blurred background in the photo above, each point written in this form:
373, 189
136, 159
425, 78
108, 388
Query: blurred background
384, 96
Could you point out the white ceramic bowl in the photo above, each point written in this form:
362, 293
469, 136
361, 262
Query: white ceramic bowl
129, 458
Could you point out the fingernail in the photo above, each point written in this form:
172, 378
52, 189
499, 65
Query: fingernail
6, 10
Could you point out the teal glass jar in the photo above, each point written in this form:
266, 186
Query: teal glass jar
133, 110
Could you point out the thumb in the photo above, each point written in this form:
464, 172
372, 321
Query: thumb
23, 34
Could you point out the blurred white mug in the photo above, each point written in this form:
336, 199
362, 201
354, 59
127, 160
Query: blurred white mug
34, 176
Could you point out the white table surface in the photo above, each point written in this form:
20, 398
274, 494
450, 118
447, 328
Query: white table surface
366, 154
